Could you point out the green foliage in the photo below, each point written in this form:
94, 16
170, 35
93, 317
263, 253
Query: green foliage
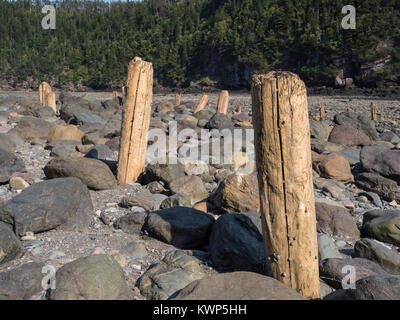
94, 40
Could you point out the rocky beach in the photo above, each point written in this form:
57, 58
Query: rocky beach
186, 229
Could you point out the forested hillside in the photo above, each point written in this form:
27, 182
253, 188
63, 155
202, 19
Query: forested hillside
219, 42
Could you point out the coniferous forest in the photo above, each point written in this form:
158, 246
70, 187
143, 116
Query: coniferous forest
219, 42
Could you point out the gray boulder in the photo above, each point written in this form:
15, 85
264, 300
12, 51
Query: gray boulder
389, 136
384, 255
386, 188
379, 287
381, 160
238, 286
31, 128
173, 273
192, 186
97, 277
132, 222
318, 131
236, 243
332, 271
100, 152
10, 246
63, 203
383, 225
144, 199
361, 122
94, 173
183, 227
327, 248
219, 121
22, 283
9, 163
176, 200
351, 154
163, 172
335, 220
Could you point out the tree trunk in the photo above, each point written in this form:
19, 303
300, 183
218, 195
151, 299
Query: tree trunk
203, 102
223, 102
283, 155
135, 121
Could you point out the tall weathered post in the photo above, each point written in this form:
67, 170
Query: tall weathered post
203, 102
283, 155
44, 89
135, 121
177, 99
223, 102
50, 101
322, 114
374, 117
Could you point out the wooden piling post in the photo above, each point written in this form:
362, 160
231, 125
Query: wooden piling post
51, 101
177, 100
203, 102
135, 121
223, 102
283, 155
374, 117
322, 114
44, 89
115, 94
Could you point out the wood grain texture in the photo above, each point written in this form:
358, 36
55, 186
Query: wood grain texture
322, 113
135, 121
223, 102
374, 116
44, 89
203, 102
283, 156
51, 101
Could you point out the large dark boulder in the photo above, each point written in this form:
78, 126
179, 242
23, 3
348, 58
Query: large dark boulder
238, 286
31, 128
378, 287
333, 270
173, 273
96, 277
381, 160
348, 136
386, 188
383, 225
335, 220
183, 227
359, 121
9, 163
10, 246
63, 203
236, 243
94, 173
22, 283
